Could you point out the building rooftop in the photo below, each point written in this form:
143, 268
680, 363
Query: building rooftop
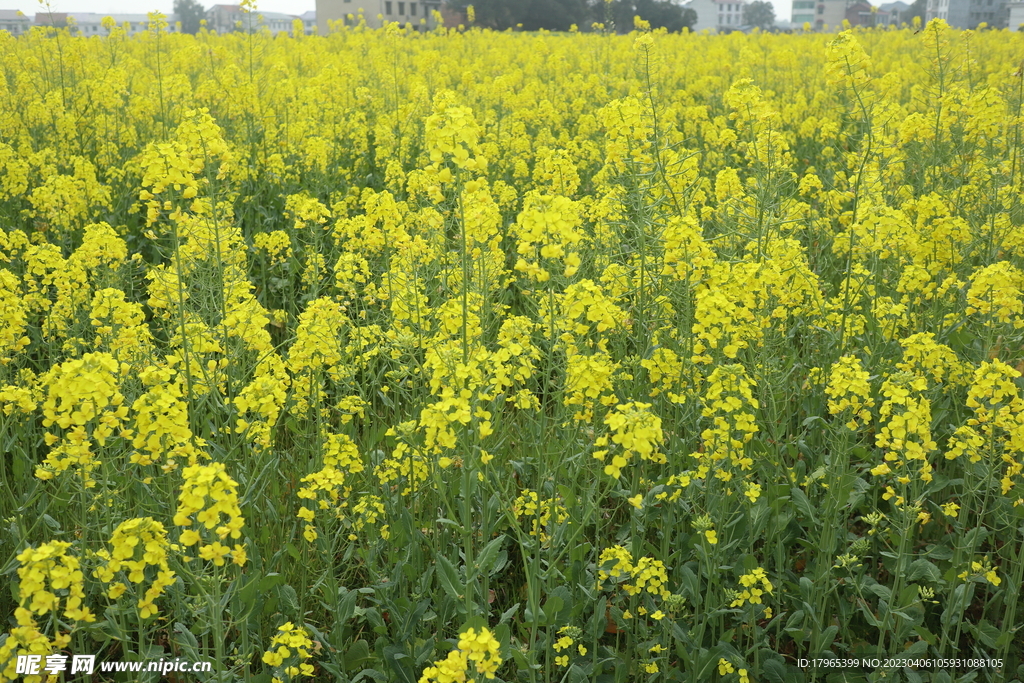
268, 16
82, 17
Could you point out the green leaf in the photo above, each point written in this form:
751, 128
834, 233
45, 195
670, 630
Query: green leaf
940, 552
290, 598
986, 633
927, 635
539, 618
552, 607
599, 620
370, 673
923, 570
485, 561
774, 671
356, 654
247, 595
347, 606
400, 662
449, 577
184, 639
509, 613
691, 587
522, 662
803, 505
883, 592
269, 581
827, 637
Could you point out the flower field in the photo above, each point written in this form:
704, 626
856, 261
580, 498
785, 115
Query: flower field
398, 356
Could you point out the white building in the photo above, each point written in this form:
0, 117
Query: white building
309, 21
1016, 12
229, 18
967, 14
803, 12
91, 23
707, 15
275, 22
730, 14
822, 15
893, 14
717, 15
14, 22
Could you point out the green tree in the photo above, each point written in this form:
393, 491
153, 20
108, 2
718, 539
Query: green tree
759, 13
496, 14
554, 15
559, 15
190, 13
660, 13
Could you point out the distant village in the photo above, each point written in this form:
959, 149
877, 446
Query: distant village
962, 14
715, 16
219, 18
725, 16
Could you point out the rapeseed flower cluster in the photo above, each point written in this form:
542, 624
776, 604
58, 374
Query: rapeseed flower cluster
48, 575
84, 400
728, 403
541, 513
635, 431
647, 574
906, 429
567, 637
211, 495
477, 651
754, 585
288, 658
136, 545
849, 389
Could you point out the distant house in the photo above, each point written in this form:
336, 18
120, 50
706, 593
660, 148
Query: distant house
91, 23
451, 18
228, 18
893, 14
54, 19
14, 22
861, 14
730, 14
275, 22
968, 14
1016, 15
309, 21
830, 15
416, 12
822, 15
717, 16
223, 18
803, 12
707, 15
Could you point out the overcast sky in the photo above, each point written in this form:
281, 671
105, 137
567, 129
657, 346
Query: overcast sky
782, 7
